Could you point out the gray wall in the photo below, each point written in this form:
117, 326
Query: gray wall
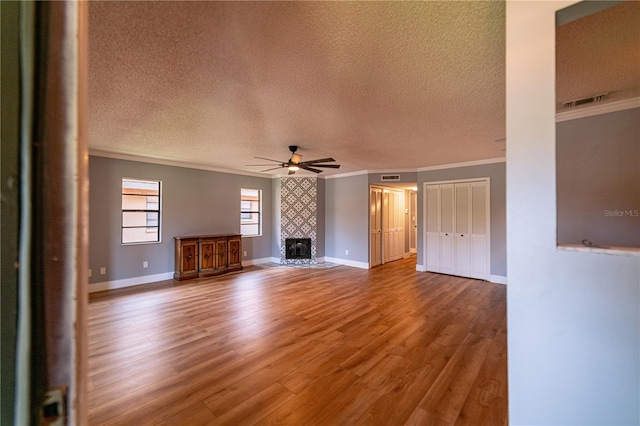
496, 172
276, 186
347, 218
193, 202
598, 179
320, 248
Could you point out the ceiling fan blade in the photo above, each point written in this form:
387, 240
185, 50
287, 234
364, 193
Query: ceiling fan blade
268, 159
258, 165
322, 160
292, 172
268, 170
331, 166
305, 167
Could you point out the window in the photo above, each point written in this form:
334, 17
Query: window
250, 212
140, 211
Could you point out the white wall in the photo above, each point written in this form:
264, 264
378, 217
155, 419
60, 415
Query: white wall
574, 318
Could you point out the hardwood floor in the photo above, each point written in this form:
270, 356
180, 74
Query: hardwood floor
386, 346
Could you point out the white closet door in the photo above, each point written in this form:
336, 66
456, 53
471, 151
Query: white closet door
479, 230
386, 228
433, 228
393, 240
399, 224
447, 253
462, 225
375, 222
413, 223
457, 228
393, 224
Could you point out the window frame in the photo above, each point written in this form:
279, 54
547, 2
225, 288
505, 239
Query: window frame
146, 210
251, 212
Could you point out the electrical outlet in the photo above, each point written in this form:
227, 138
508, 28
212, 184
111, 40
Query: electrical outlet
103, 270
245, 253
53, 411
90, 273
346, 252
145, 264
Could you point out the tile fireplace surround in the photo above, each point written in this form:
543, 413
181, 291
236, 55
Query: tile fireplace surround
298, 214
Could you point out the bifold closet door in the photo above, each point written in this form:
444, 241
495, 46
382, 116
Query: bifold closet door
393, 224
457, 228
447, 253
479, 230
398, 224
462, 225
375, 222
413, 223
433, 228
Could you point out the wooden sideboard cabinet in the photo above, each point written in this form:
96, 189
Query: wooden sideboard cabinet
207, 255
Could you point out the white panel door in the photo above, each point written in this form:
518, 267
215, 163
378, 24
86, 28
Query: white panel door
462, 224
386, 228
432, 212
393, 224
399, 224
413, 223
479, 230
447, 252
375, 223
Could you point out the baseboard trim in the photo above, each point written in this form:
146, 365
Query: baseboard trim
353, 263
260, 261
498, 279
129, 282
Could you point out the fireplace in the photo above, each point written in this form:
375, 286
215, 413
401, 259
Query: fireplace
298, 248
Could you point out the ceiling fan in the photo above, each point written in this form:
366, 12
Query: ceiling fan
294, 164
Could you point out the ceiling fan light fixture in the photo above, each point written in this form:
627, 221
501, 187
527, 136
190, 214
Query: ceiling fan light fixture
294, 164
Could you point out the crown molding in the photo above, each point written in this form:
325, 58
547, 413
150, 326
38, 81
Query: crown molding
343, 175
465, 164
167, 162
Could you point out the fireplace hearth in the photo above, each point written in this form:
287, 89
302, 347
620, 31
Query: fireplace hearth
298, 248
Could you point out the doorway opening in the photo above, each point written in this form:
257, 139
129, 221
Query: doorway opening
393, 223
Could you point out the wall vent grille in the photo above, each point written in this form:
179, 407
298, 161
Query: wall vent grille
387, 178
583, 101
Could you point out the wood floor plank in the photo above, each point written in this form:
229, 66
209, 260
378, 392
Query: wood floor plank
446, 397
338, 345
196, 415
257, 407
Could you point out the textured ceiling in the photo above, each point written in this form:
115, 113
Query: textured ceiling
375, 85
